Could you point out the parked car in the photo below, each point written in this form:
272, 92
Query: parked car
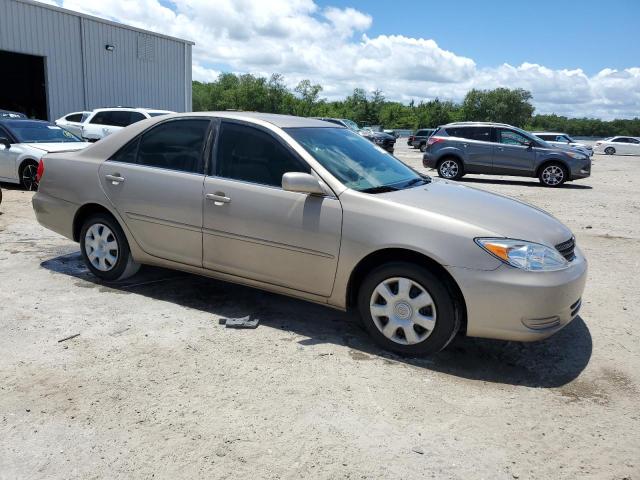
419, 139
24, 142
618, 146
499, 149
105, 121
8, 114
393, 133
313, 210
73, 122
383, 140
564, 140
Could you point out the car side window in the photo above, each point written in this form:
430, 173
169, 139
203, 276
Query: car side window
5, 134
509, 137
619, 140
100, 118
135, 117
174, 145
482, 134
76, 117
252, 155
634, 140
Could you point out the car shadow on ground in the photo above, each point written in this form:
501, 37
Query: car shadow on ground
522, 183
550, 363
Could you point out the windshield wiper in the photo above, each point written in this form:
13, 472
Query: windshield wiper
380, 189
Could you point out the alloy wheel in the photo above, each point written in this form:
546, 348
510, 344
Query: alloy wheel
403, 310
29, 177
609, 150
101, 247
553, 175
449, 169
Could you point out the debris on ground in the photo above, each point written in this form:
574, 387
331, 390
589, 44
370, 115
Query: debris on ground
240, 322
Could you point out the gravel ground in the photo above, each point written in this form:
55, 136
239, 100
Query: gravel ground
154, 387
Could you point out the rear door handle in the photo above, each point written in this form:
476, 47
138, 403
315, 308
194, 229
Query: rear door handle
218, 197
465, 145
501, 148
115, 178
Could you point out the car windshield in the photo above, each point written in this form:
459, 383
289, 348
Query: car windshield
351, 124
356, 161
40, 132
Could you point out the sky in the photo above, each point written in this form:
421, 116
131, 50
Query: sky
578, 58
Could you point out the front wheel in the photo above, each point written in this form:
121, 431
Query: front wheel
105, 249
553, 175
407, 309
610, 151
450, 168
28, 175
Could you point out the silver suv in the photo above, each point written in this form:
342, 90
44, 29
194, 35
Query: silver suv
499, 149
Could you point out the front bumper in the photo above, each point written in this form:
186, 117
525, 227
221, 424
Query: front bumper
512, 304
581, 171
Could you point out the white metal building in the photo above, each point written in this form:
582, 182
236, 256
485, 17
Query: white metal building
54, 61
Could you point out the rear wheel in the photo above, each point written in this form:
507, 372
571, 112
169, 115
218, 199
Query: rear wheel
423, 147
610, 151
553, 175
105, 249
407, 309
28, 172
450, 168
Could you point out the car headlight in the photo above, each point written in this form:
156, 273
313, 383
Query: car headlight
577, 155
529, 256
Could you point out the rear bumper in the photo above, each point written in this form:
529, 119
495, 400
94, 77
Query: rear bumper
428, 160
55, 214
511, 304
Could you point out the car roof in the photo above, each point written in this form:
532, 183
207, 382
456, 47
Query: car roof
129, 109
478, 124
280, 121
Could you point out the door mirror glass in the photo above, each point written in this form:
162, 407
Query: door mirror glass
5, 142
302, 183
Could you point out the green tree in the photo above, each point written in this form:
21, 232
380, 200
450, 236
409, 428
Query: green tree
500, 105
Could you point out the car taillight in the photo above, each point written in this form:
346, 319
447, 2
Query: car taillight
411, 137
434, 140
40, 171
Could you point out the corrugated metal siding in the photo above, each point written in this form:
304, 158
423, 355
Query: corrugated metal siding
143, 71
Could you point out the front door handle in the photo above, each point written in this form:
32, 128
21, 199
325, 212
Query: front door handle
501, 148
218, 197
115, 178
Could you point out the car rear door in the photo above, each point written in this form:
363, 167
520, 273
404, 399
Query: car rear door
255, 229
477, 147
155, 183
511, 154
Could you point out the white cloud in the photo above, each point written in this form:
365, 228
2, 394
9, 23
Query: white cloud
330, 46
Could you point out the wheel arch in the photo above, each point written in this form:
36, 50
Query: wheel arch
85, 212
379, 257
450, 154
23, 162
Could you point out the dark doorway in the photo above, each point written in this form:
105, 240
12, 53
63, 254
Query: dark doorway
22, 84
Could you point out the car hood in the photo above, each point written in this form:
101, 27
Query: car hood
58, 146
503, 216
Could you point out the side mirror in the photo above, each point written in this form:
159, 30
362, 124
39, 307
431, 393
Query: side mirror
302, 183
528, 144
5, 142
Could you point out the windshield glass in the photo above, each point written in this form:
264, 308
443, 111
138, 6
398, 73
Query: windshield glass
40, 132
354, 160
351, 124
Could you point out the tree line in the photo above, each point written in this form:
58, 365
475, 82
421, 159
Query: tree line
513, 106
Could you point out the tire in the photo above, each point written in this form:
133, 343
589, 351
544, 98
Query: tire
28, 172
450, 168
553, 174
107, 264
610, 151
407, 312
423, 147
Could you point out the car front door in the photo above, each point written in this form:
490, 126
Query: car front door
512, 154
155, 183
255, 229
8, 157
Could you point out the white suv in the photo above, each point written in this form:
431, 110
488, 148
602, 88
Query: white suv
105, 121
72, 122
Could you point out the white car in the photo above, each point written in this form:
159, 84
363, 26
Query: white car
105, 121
618, 146
558, 139
72, 122
24, 142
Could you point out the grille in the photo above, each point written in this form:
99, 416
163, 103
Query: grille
567, 248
